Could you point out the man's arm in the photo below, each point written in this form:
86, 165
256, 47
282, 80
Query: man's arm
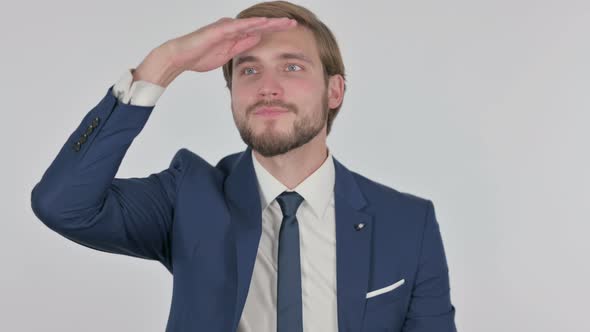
79, 197
430, 308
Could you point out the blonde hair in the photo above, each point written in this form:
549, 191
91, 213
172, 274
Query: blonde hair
329, 52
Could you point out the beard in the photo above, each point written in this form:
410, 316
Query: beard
270, 143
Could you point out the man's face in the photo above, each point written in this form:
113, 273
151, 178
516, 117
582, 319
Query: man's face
279, 96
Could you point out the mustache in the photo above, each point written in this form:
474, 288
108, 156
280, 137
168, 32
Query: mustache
272, 103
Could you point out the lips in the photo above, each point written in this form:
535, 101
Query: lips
270, 111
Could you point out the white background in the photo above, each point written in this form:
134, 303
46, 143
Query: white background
481, 106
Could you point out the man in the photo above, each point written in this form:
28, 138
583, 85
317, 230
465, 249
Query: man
279, 237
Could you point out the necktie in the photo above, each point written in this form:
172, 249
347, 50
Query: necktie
289, 303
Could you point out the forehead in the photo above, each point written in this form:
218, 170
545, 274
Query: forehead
299, 41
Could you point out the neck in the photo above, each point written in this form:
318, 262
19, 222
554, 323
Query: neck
293, 167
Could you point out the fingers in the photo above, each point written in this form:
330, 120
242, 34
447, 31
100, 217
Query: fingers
233, 26
249, 37
257, 24
279, 24
243, 45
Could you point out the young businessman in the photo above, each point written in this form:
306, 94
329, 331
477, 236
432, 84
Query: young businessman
279, 237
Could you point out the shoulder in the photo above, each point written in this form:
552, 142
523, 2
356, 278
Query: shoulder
185, 159
191, 164
387, 198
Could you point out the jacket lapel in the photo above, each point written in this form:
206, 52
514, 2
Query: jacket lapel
241, 190
353, 249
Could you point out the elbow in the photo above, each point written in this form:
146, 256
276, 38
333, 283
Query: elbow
41, 205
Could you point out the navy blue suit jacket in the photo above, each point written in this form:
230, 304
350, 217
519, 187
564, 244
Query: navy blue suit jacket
203, 223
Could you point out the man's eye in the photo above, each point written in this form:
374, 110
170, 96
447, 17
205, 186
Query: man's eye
247, 71
292, 66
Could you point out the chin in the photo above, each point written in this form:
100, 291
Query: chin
273, 132
275, 128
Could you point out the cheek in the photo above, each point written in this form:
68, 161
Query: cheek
309, 93
240, 100
301, 90
302, 84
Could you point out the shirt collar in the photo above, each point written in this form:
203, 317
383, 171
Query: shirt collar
317, 189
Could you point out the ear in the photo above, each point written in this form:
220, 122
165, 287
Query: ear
335, 90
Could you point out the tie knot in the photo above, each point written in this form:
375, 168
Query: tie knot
289, 202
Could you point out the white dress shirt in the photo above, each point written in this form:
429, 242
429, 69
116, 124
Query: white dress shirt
317, 236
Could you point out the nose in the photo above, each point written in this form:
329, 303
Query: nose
270, 87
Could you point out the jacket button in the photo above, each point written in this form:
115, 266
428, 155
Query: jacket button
95, 122
89, 130
77, 146
83, 138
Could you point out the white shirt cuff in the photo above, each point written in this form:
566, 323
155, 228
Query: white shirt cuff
140, 93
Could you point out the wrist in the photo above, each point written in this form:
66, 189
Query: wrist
157, 67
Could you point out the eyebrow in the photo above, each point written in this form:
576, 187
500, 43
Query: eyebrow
282, 56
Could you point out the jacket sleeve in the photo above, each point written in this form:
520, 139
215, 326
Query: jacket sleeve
430, 308
79, 198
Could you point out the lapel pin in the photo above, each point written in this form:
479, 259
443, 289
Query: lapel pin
360, 226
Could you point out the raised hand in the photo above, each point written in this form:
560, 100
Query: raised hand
207, 48
215, 44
